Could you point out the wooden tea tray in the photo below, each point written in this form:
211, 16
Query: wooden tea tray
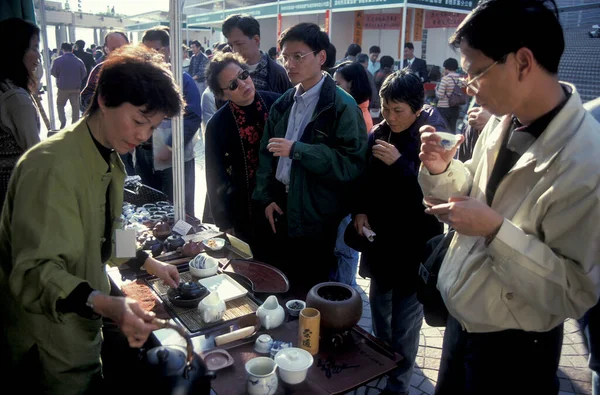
263, 277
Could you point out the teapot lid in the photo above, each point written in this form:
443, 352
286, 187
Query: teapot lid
170, 360
294, 359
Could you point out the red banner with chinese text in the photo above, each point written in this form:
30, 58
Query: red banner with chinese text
434, 19
418, 31
382, 21
358, 27
327, 21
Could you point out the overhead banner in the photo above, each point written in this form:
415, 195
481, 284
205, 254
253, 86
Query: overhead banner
418, 30
455, 4
358, 27
366, 4
327, 21
434, 19
382, 21
304, 6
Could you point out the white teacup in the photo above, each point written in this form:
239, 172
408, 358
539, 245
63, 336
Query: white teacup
263, 344
448, 140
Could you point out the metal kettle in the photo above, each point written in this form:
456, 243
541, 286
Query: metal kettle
175, 370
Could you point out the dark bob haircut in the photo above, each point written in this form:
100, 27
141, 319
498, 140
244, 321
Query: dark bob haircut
137, 75
246, 23
217, 64
404, 86
331, 53
356, 74
386, 61
18, 34
534, 24
307, 33
451, 64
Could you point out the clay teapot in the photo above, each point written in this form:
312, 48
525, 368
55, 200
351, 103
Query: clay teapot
192, 248
174, 242
339, 304
161, 230
187, 294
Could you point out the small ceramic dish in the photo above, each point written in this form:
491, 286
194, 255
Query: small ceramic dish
448, 140
294, 307
217, 359
203, 266
214, 244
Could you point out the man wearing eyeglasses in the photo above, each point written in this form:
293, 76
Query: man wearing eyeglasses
313, 148
526, 208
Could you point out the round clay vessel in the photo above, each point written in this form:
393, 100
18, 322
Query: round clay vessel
161, 230
339, 304
174, 242
150, 242
191, 248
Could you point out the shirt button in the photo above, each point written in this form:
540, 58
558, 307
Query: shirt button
296, 155
509, 296
450, 174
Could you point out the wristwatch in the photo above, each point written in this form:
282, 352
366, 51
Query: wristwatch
90, 298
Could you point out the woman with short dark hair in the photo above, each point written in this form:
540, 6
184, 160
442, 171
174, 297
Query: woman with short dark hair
19, 114
61, 215
445, 89
232, 142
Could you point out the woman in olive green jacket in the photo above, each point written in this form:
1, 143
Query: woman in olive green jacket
57, 227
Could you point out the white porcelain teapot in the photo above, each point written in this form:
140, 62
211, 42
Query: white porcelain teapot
270, 313
211, 308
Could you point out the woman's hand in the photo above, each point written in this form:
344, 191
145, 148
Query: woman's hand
361, 220
168, 273
386, 152
134, 322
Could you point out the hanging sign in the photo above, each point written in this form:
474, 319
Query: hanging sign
382, 21
435, 19
327, 21
358, 27
418, 30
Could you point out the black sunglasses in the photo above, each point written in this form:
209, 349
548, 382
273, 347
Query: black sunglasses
234, 84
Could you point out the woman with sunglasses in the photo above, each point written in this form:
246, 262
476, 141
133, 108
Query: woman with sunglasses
232, 142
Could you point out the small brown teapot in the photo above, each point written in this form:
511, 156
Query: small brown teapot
161, 230
192, 248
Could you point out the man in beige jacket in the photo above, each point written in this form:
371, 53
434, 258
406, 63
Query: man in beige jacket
526, 208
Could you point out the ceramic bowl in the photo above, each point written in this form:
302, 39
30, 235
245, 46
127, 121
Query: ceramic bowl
203, 266
214, 244
263, 344
448, 140
294, 307
293, 364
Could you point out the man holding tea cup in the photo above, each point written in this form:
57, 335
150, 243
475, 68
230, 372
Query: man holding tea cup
525, 209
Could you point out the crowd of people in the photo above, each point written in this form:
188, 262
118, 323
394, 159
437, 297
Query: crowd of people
300, 166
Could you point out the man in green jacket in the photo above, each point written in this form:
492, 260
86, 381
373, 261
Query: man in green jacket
314, 146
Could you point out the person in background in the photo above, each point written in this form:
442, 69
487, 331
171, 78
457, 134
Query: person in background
351, 54
374, 65
387, 68
87, 59
329, 65
243, 36
186, 58
445, 89
19, 114
273, 53
208, 53
313, 148
525, 208
352, 77
209, 103
389, 202
198, 65
419, 66
232, 142
374, 102
61, 213
69, 72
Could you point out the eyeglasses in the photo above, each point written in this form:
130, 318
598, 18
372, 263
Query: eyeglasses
296, 58
243, 76
473, 83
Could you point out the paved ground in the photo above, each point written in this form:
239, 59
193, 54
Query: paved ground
575, 376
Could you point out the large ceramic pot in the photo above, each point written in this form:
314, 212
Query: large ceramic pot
339, 304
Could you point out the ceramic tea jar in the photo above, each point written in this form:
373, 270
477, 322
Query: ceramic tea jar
174, 242
339, 304
161, 230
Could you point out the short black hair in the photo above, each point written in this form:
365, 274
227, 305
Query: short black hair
362, 58
354, 49
386, 61
374, 49
17, 33
404, 86
80, 44
159, 33
356, 74
409, 46
307, 33
137, 75
330, 53
534, 24
196, 43
216, 65
67, 47
272, 51
208, 52
246, 23
450, 64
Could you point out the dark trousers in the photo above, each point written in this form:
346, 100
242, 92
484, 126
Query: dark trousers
508, 362
450, 114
